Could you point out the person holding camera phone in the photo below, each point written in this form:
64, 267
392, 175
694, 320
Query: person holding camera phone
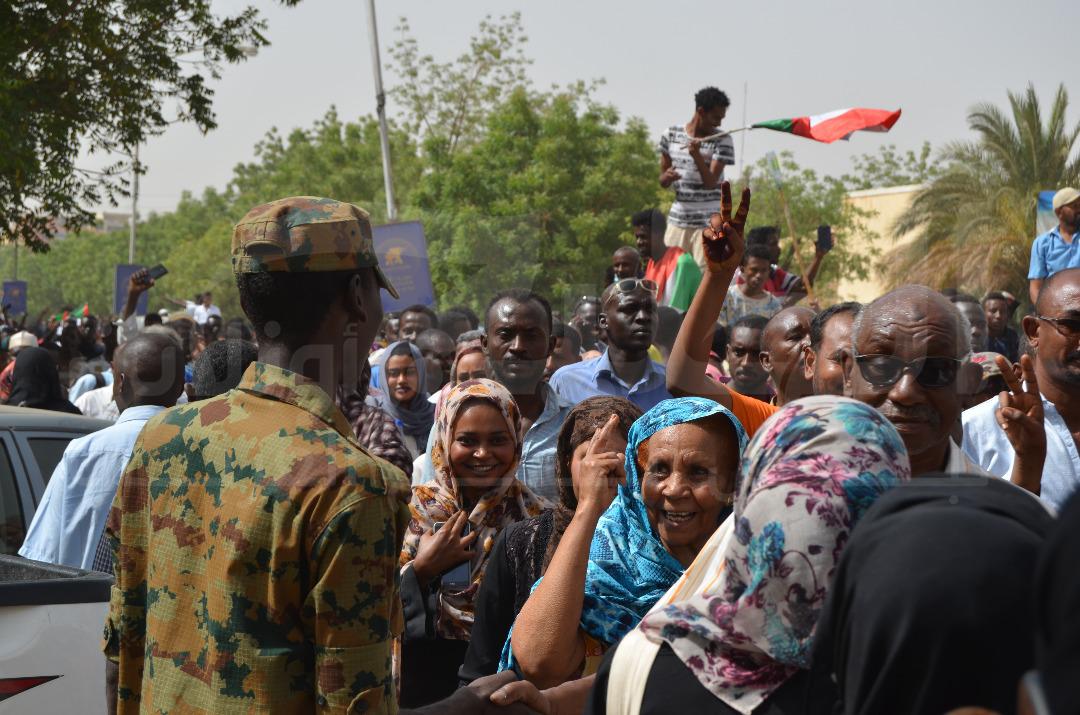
455, 520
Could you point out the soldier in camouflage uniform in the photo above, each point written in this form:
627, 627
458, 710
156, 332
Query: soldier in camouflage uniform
255, 541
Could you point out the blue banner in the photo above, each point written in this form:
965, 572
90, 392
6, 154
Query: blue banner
402, 252
120, 289
1045, 219
15, 297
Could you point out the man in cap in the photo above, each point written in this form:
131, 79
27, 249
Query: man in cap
1056, 249
255, 541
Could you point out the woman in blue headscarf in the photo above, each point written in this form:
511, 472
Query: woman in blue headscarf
619, 556
404, 395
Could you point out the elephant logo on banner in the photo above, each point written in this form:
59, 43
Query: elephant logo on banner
394, 256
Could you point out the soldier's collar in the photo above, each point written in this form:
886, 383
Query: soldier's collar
295, 389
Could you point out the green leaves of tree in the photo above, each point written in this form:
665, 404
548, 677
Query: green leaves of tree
976, 220
99, 76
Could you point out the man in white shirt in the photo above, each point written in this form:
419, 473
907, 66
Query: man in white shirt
69, 521
204, 310
98, 403
1054, 336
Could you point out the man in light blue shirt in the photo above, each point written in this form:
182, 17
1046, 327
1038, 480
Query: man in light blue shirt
1054, 335
628, 314
88, 382
1057, 249
148, 377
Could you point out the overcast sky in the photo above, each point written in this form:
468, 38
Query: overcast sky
933, 59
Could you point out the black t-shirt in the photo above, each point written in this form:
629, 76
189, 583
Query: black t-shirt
672, 688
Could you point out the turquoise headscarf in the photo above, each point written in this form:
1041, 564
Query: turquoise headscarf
629, 568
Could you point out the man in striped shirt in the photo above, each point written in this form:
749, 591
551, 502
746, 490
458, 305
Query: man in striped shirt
695, 169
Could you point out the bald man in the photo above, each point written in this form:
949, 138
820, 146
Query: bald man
1053, 333
626, 263
908, 347
148, 373
783, 342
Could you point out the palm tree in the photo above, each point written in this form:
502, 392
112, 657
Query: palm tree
975, 223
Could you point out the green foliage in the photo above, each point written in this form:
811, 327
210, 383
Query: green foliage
812, 200
99, 76
333, 158
448, 103
976, 220
515, 188
541, 200
892, 168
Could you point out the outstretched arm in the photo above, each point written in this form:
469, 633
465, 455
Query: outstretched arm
546, 642
690, 354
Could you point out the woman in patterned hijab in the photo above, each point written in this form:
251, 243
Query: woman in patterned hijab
807, 477
475, 456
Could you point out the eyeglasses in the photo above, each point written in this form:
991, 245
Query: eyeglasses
629, 285
1068, 327
883, 371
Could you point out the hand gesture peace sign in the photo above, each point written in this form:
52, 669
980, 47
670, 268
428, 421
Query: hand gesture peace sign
717, 258
1020, 414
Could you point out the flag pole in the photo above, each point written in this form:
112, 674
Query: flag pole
725, 133
778, 179
795, 243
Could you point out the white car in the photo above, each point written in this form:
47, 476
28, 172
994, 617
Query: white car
51, 617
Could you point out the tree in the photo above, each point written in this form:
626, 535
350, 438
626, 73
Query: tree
333, 158
975, 222
812, 200
541, 200
448, 103
100, 76
890, 167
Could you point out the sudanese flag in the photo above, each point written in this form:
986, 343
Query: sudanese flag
840, 124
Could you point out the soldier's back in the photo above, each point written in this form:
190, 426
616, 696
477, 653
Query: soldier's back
260, 541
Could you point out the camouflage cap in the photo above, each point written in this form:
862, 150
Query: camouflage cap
306, 233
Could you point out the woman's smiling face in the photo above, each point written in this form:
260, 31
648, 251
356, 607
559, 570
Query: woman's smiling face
688, 475
482, 448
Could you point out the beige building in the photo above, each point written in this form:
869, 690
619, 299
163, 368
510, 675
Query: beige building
884, 205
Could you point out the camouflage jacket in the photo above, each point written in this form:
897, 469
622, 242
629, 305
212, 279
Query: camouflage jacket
255, 547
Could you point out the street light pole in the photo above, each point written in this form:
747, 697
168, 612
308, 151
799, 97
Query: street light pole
380, 107
134, 204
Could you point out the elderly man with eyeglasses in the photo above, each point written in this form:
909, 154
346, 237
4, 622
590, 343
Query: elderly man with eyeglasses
908, 348
629, 319
1050, 397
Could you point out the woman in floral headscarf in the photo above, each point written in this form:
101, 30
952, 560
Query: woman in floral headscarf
735, 634
455, 519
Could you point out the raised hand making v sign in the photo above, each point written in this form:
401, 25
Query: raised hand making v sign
1020, 415
723, 245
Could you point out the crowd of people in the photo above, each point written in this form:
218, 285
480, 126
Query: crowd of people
690, 493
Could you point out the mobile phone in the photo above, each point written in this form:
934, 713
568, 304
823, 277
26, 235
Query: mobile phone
824, 238
459, 577
158, 271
